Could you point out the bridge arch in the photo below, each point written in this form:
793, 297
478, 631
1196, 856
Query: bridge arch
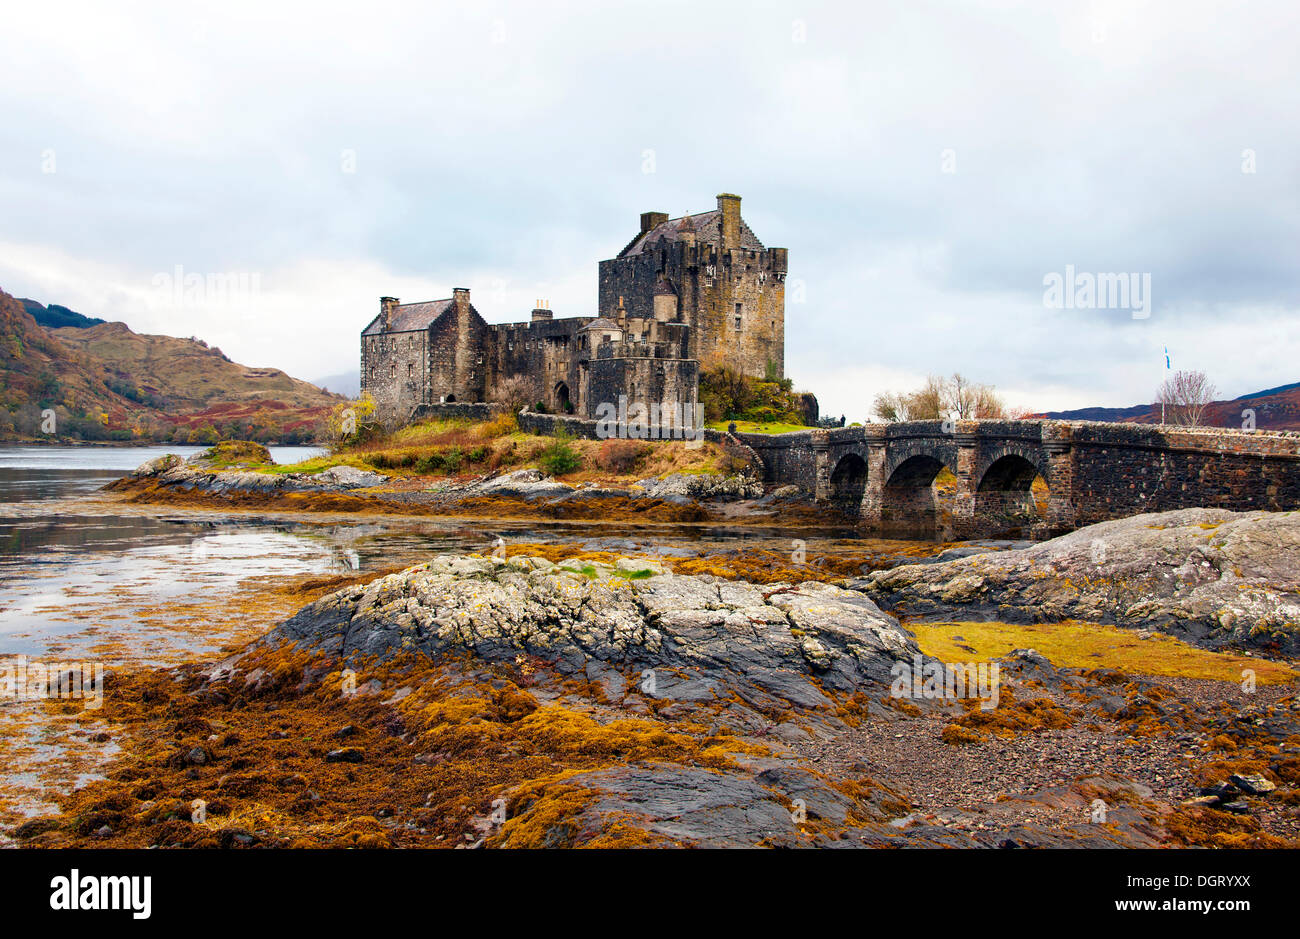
1005, 496
908, 500
849, 483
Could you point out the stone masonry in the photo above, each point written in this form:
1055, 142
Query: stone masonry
684, 293
885, 474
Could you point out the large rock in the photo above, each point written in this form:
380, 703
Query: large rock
783, 641
701, 486
198, 473
1211, 576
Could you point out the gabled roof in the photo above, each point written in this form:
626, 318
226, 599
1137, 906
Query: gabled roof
410, 317
601, 322
707, 226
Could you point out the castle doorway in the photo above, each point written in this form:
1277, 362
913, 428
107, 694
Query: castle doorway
562, 397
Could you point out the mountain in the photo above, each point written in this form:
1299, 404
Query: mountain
55, 316
187, 374
347, 384
39, 373
104, 381
1274, 409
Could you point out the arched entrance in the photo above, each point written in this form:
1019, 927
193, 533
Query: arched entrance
848, 483
562, 401
1011, 496
909, 502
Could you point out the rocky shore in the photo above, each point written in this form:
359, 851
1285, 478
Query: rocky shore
476, 701
1215, 578
676, 497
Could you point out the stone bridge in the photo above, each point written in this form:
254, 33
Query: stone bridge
1028, 478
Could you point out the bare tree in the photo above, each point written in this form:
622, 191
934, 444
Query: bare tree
959, 396
514, 392
1185, 396
988, 404
938, 398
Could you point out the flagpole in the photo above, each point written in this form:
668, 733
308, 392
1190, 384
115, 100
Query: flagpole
1165, 393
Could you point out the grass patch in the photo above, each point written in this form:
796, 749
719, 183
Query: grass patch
1075, 644
754, 427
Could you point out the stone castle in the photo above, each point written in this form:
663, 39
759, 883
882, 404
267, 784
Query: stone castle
685, 292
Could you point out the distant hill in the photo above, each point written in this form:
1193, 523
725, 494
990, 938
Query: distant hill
187, 374
56, 317
1275, 409
106, 382
347, 384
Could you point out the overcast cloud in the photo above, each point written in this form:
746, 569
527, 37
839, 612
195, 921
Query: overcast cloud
927, 165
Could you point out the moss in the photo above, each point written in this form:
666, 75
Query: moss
1076, 644
238, 452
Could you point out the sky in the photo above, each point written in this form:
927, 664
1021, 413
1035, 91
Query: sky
259, 174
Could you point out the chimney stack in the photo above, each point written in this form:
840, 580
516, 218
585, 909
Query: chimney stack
386, 305
652, 220
460, 296
542, 311
729, 206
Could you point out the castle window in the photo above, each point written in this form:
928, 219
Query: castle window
410, 370
739, 309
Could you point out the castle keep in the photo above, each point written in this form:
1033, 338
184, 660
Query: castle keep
684, 292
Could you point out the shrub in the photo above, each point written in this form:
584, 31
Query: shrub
503, 424
621, 456
559, 457
452, 460
239, 451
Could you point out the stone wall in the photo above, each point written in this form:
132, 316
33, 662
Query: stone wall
1122, 469
394, 370
547, 425
457, 410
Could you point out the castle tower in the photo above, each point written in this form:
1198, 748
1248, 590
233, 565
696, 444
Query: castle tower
727, 288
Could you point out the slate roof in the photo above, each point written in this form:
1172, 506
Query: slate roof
707, 226
410, 317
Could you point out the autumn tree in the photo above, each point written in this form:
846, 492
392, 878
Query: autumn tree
956, 397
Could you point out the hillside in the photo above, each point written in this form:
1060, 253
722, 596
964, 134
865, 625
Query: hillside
188, 374
106, 382
38, 372
1275, 409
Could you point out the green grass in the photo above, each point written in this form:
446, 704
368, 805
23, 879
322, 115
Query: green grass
752, 427
317, 464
